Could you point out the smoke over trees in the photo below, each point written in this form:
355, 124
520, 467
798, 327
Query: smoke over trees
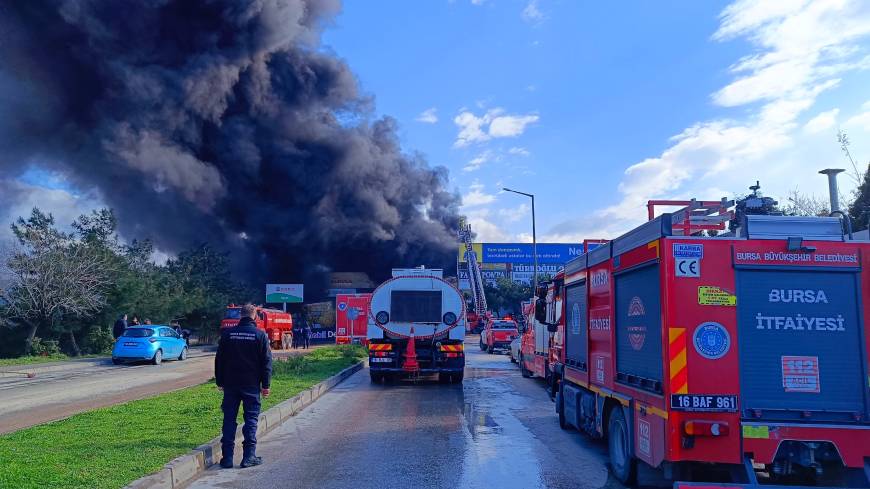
222, 122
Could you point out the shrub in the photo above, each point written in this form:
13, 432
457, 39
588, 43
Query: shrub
98, 340
44, 347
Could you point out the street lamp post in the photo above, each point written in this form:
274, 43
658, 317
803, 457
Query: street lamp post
534, 240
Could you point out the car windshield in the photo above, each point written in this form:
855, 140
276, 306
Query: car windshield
138, 332
233, 313
504, 325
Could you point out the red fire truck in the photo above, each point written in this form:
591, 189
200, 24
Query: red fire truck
277, 324
351, 318
747, 353
541, 346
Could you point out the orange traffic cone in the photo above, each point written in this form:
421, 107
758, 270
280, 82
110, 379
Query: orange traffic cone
411, 364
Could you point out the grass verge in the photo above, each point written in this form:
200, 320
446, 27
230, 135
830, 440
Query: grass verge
110, 447
34, 359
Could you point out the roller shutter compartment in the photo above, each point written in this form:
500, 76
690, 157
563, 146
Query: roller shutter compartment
639, 328
576, 330
801, 345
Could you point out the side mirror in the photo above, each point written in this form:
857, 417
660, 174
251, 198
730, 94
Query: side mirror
552, 328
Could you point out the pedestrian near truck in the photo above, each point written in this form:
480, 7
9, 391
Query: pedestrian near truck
306, 335
243, 371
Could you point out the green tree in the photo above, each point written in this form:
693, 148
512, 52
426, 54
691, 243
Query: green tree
51, 279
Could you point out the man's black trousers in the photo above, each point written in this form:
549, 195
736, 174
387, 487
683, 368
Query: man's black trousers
249, 398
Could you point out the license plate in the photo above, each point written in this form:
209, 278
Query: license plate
380, 359
131, 344
710, 403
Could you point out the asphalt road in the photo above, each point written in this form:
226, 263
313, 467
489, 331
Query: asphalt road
496, 430
59, 390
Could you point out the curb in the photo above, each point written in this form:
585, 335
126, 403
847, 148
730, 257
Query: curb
182, 470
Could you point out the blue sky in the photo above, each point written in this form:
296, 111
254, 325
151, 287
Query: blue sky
596, 107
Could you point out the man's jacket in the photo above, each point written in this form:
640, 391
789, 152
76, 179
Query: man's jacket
243, 358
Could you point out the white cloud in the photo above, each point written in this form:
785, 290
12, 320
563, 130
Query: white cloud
801, 50
428, 116
519, 151
494, 123
478, 161
860, 121
476, 196
486, 230
822, 122
514, 214
20, 198
532, 13
510, 126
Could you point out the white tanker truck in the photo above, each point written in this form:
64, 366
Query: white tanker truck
416, 327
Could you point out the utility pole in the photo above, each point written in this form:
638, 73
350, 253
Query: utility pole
534, 239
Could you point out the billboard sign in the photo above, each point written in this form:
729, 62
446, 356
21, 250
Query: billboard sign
289, 293
558, 253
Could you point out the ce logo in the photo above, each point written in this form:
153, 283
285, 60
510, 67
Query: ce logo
687, 268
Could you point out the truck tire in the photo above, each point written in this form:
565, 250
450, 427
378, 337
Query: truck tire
560, 407
523, 370
457, 378
376, 377
622, 463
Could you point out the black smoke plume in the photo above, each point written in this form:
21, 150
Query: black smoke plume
219, 121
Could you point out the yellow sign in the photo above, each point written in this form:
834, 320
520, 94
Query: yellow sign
756, 432
710, 295
477, 247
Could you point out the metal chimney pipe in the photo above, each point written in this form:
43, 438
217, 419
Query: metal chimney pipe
832, 187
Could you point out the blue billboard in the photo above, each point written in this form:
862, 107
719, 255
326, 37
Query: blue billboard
558, 253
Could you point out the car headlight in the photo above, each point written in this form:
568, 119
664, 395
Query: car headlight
449, 318
382, 317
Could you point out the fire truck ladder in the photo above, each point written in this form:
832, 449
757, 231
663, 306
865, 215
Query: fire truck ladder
475, 279
695, 215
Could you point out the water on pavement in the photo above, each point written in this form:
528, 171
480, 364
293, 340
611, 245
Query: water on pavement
496, 430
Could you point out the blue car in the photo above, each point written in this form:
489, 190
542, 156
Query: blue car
152, 343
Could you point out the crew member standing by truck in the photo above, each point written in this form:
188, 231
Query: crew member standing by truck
243, 371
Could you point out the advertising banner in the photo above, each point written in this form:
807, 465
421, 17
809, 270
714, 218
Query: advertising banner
557, 253
289, 293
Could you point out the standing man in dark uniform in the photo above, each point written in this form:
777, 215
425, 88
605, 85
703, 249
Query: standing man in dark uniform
306, 335
242, 370
120, 327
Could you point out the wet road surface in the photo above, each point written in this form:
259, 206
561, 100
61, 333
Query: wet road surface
496, 430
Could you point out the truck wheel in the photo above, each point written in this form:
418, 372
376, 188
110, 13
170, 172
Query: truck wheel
622, 464
560, 406
523, 370
457, 378
376, 378
443, 378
